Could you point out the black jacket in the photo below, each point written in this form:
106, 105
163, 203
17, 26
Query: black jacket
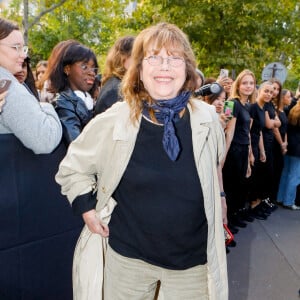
109, 94
73, 114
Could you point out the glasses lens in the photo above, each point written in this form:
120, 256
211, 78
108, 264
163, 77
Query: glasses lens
175, 61
154, 60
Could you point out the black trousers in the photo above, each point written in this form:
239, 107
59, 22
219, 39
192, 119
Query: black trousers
236, 185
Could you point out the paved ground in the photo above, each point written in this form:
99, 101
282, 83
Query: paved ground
265, 264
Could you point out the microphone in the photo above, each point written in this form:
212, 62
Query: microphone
208, 89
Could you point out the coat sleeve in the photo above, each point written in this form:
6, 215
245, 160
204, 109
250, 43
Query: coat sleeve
36, 125
78, 171
71, 123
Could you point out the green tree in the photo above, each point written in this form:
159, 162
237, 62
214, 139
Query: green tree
231, 34
95, 24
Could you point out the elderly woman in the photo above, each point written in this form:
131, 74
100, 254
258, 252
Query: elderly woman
156, 156
38, 231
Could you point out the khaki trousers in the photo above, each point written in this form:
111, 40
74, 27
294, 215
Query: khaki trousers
133, 279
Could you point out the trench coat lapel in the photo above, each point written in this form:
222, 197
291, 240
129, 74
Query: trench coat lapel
200, 129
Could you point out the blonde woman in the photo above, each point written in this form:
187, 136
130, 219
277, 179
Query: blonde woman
156, 155
238, 151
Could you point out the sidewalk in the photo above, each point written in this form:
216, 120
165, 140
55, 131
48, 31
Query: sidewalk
265, 264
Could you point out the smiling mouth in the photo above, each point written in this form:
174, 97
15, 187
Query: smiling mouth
163, 79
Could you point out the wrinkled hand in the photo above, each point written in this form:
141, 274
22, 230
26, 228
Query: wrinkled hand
94, 223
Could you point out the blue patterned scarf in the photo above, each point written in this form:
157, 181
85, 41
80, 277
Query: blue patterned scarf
167, 112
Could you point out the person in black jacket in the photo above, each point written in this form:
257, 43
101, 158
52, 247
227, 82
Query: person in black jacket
116, 65
290, 177
72, 76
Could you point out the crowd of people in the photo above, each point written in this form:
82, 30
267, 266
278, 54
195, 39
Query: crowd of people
134, 150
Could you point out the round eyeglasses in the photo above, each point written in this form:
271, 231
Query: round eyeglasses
20, 49
87, 69
156, 60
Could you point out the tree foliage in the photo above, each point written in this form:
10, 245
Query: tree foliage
233, 34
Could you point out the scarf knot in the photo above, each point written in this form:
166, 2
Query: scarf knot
166, 113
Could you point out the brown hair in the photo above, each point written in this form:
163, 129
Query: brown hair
294, 115
277, 101
160, 35
235, 94
6, 27
116, 57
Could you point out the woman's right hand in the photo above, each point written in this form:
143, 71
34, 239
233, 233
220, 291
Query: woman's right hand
94, 224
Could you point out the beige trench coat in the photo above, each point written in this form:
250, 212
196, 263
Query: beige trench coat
104, 149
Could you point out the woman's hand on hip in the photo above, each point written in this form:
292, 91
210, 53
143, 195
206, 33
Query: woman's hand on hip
94, 223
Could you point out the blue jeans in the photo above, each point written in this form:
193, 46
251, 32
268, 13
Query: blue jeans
290, 179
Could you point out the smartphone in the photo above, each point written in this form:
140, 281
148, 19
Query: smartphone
228, 109
224, 73
4, 85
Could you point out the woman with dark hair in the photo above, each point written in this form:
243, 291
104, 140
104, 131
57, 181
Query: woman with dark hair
38, 231
72, 75
218, 101
26, 78
116, 65
281, 102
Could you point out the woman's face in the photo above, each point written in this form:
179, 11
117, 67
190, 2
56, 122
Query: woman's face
287, 98
164, 79
22, 75
219, 102
12, 58
40, 72
81, 75
276, 89
266, 93
247, 86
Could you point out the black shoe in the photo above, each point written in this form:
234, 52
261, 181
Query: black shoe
232, 244
227, 250
245, 215
233, 229
258, 214
264, 208
237, 222
267, 202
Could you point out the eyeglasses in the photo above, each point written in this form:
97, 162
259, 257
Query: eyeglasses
174, 61
87, 69
20, 49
